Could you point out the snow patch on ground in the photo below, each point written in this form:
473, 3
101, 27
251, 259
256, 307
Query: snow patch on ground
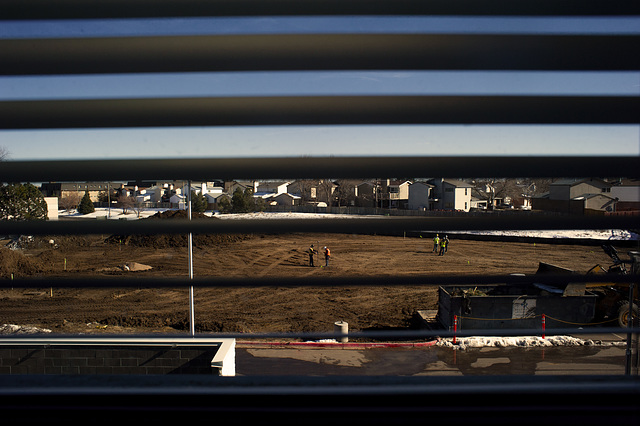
21, 329
292, 215
463, 343
594, 234
114, 214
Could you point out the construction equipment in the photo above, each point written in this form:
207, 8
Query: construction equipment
612, 303
613, 298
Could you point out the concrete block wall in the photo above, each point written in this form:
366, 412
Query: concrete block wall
91, 356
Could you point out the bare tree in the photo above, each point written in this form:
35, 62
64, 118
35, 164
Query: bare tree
307, 189
498, 189
345, 193
4, 153
325, 191
138, 207
125, 202
70, 202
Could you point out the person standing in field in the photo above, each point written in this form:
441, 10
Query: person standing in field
312, 251
446, 243
443, 246
436, 243
327, 255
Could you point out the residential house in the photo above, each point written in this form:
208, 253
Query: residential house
598, 202
284, 199
214, 199
451, 194
627, 192
230, 187
161, 192
143, 197
178, 201
366, 194
479, 200
420, 196
525, 202
307, 190
489, 196
312, 192
273, 187
63, 190
394, 193
344, 193
577, 196
567, 189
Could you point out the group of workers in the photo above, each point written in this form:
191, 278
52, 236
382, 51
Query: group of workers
313, 251
440, 244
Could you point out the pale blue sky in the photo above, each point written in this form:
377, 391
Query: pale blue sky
321, 140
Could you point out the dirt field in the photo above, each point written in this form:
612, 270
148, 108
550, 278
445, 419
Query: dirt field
256, 310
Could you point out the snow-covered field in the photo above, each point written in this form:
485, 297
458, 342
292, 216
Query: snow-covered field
103, 213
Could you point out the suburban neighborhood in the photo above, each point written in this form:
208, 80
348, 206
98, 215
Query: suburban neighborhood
588, 196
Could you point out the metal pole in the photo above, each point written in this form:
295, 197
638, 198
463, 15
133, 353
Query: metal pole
192, 322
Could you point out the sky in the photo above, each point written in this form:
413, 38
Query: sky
276, 141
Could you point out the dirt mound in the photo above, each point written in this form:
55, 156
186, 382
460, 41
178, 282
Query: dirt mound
162, 241
135, 267
173, 321
179, 214
16, 263
61, 242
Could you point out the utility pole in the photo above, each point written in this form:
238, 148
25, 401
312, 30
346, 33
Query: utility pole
192, 324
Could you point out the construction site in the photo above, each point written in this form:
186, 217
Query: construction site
269, 308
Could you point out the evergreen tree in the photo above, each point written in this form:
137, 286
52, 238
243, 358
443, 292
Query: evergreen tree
245, 202
22, 202
258, 204
198, 202
86, 205
224, 205
239, 202
249, 200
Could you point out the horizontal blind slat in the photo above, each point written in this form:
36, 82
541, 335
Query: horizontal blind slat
302, 52
318, 110
347, 167
557, 280
389, 225
82, 9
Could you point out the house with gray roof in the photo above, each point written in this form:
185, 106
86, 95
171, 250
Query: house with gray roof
577, 196
451, 194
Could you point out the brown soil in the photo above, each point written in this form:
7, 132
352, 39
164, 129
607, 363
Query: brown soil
253, 310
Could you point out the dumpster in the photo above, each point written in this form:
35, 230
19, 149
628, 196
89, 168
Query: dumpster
510, 306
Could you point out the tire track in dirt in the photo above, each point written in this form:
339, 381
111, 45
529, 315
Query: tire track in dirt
290, 258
